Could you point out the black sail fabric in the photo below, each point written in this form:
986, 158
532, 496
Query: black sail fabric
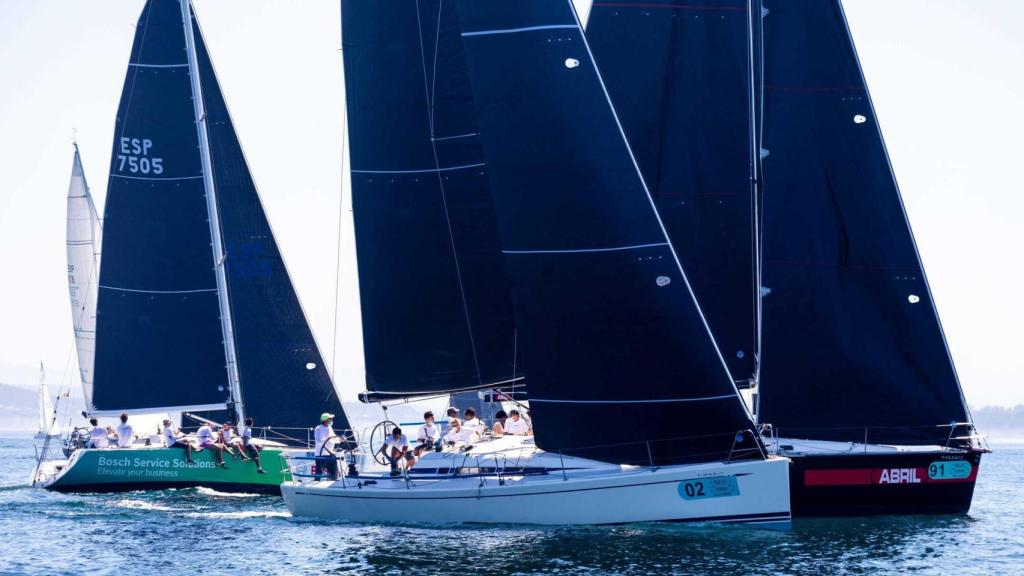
159, 341
436, 311
679, 77
853, 348
617, 351
284, 381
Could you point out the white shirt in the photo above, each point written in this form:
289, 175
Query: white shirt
517, 427
205, 434
246, 433
125, 435
99, 437
323, 436
463, 435
169, 436
225, 434
399, 443
428, 433
474, 424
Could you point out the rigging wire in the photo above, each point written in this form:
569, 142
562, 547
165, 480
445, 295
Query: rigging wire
341, 219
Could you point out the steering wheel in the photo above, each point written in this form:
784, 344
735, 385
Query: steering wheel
378, 436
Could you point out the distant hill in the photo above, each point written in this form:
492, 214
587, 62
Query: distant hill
1000, 422
19, 407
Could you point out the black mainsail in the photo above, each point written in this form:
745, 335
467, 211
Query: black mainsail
852, 348
437, 316
617, 351
181, 327
159, 340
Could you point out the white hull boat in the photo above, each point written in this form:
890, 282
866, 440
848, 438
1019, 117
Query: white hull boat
546, 489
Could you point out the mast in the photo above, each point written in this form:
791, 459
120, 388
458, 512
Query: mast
217, 242
755, 182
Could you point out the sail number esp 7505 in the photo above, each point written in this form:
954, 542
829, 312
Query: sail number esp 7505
133, 156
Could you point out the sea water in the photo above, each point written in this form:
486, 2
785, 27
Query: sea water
203, 531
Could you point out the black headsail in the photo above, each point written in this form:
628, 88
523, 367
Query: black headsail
436, 312
853, 348
617, 350
159, 341
284, 381
679, 75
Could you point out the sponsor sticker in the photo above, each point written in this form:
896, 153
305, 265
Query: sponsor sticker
715, 487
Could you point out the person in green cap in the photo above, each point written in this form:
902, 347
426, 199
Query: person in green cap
325, 439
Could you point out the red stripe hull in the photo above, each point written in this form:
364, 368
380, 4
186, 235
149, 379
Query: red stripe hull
939, 482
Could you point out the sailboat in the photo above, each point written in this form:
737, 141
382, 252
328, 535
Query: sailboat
635, 415
192, 310
48, 426
753, 124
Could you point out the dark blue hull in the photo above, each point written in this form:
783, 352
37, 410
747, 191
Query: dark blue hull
936, 482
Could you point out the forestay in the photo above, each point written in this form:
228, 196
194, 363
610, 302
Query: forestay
436, 311
679, 75
159, 336
853, 348
617, 350
83, 252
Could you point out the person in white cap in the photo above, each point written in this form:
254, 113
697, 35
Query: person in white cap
324, 441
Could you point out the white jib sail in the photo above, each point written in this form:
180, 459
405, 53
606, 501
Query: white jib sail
83, 244
45, 408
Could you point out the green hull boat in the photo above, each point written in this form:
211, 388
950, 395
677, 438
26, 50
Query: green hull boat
127, 469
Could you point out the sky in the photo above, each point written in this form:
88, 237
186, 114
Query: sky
946, 78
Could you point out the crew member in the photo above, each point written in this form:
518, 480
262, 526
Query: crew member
396, 449
98, 435
208, 441
325, 439
125, 434
245, 433
428, 436
174, 439
516, 425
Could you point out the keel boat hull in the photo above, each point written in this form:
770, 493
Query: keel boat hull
755, 492
128, 469
883, 483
